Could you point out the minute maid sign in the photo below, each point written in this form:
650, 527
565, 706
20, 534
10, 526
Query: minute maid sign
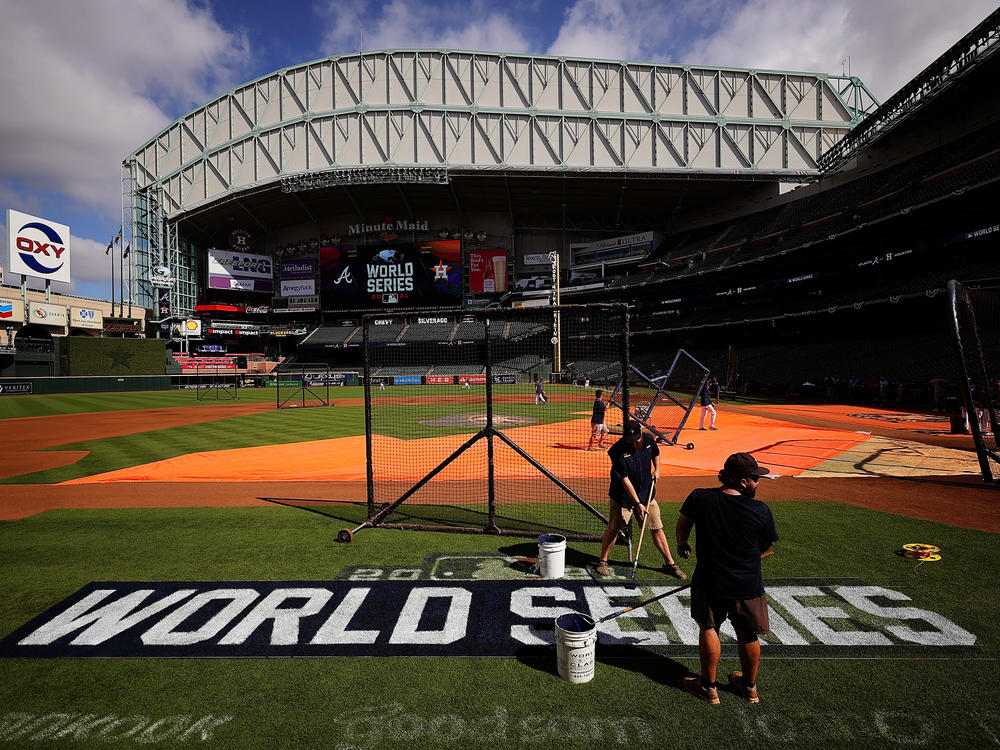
38, 247
425, 611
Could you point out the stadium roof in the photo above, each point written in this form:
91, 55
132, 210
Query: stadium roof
474, 113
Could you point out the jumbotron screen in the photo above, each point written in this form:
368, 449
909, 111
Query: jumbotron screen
398, 275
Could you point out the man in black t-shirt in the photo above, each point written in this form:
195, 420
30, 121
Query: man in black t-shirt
635, 467
597, 427
733, 531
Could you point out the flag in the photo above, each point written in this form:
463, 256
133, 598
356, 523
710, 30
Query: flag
128, 248
109, 248
118, 236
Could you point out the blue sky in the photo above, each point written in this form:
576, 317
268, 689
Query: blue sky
85, 82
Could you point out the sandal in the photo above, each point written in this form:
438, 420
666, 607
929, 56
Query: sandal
603, 569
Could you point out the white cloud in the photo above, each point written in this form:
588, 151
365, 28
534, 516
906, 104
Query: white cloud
628, 29
408, 24
85, 83
888, 41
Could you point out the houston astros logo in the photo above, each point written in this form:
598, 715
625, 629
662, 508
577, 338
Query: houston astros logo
40, 247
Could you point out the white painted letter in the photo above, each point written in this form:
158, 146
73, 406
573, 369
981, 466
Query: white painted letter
163, 633
285, 631
455, 624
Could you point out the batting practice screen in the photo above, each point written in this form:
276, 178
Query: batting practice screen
470, 426
975, 317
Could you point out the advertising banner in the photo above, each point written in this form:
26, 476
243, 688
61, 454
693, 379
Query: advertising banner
84, 317
123, 325
505, 379
240, 271
37, 247
163, 303
404, 275
47, 315
406, 380
330, 378
536, 259
161, 277
207, 363
298, 288
487, 271
440, 380
471, 378
18, 388
11, 311
297, 268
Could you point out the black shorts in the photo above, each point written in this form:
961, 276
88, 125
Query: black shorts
748, 616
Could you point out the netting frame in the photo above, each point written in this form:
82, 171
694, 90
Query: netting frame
319, 394
661, 386
204, 391
376, 516
969, 351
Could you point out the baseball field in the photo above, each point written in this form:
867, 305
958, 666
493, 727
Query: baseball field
170, 577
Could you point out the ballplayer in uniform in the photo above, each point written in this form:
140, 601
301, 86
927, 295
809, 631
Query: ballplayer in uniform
597, 427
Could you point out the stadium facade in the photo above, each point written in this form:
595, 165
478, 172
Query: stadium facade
414, 146
417, 179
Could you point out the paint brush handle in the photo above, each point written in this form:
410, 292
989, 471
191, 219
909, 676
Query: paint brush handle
643, 603
661, 596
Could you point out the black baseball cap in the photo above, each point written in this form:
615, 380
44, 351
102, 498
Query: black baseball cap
632, 429
743, 465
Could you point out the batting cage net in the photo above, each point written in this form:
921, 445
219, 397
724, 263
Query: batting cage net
662, 404
975, 316
306, 387
472, 426
216, 385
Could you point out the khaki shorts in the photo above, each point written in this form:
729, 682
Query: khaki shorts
618, 517
599, 428
748, 616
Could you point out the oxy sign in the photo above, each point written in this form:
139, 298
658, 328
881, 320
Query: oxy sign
38, 247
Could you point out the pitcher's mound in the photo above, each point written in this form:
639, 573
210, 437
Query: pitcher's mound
464, 420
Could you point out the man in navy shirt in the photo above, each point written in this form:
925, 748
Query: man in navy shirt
635, 467
733, 531
597, 427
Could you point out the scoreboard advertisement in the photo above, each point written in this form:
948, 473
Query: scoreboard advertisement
425, 274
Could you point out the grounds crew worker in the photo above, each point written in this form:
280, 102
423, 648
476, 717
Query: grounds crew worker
635, 467
733, 531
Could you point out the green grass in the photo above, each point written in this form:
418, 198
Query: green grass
277, 427
491, 703
50, 404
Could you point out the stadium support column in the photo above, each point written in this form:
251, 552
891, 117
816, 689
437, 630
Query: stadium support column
556, 337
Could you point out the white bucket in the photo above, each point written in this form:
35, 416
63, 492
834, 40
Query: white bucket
551, 556
576, 640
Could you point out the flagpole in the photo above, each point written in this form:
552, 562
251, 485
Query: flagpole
111, 246
121, 279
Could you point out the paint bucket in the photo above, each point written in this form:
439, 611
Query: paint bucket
576, 641
551, 556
